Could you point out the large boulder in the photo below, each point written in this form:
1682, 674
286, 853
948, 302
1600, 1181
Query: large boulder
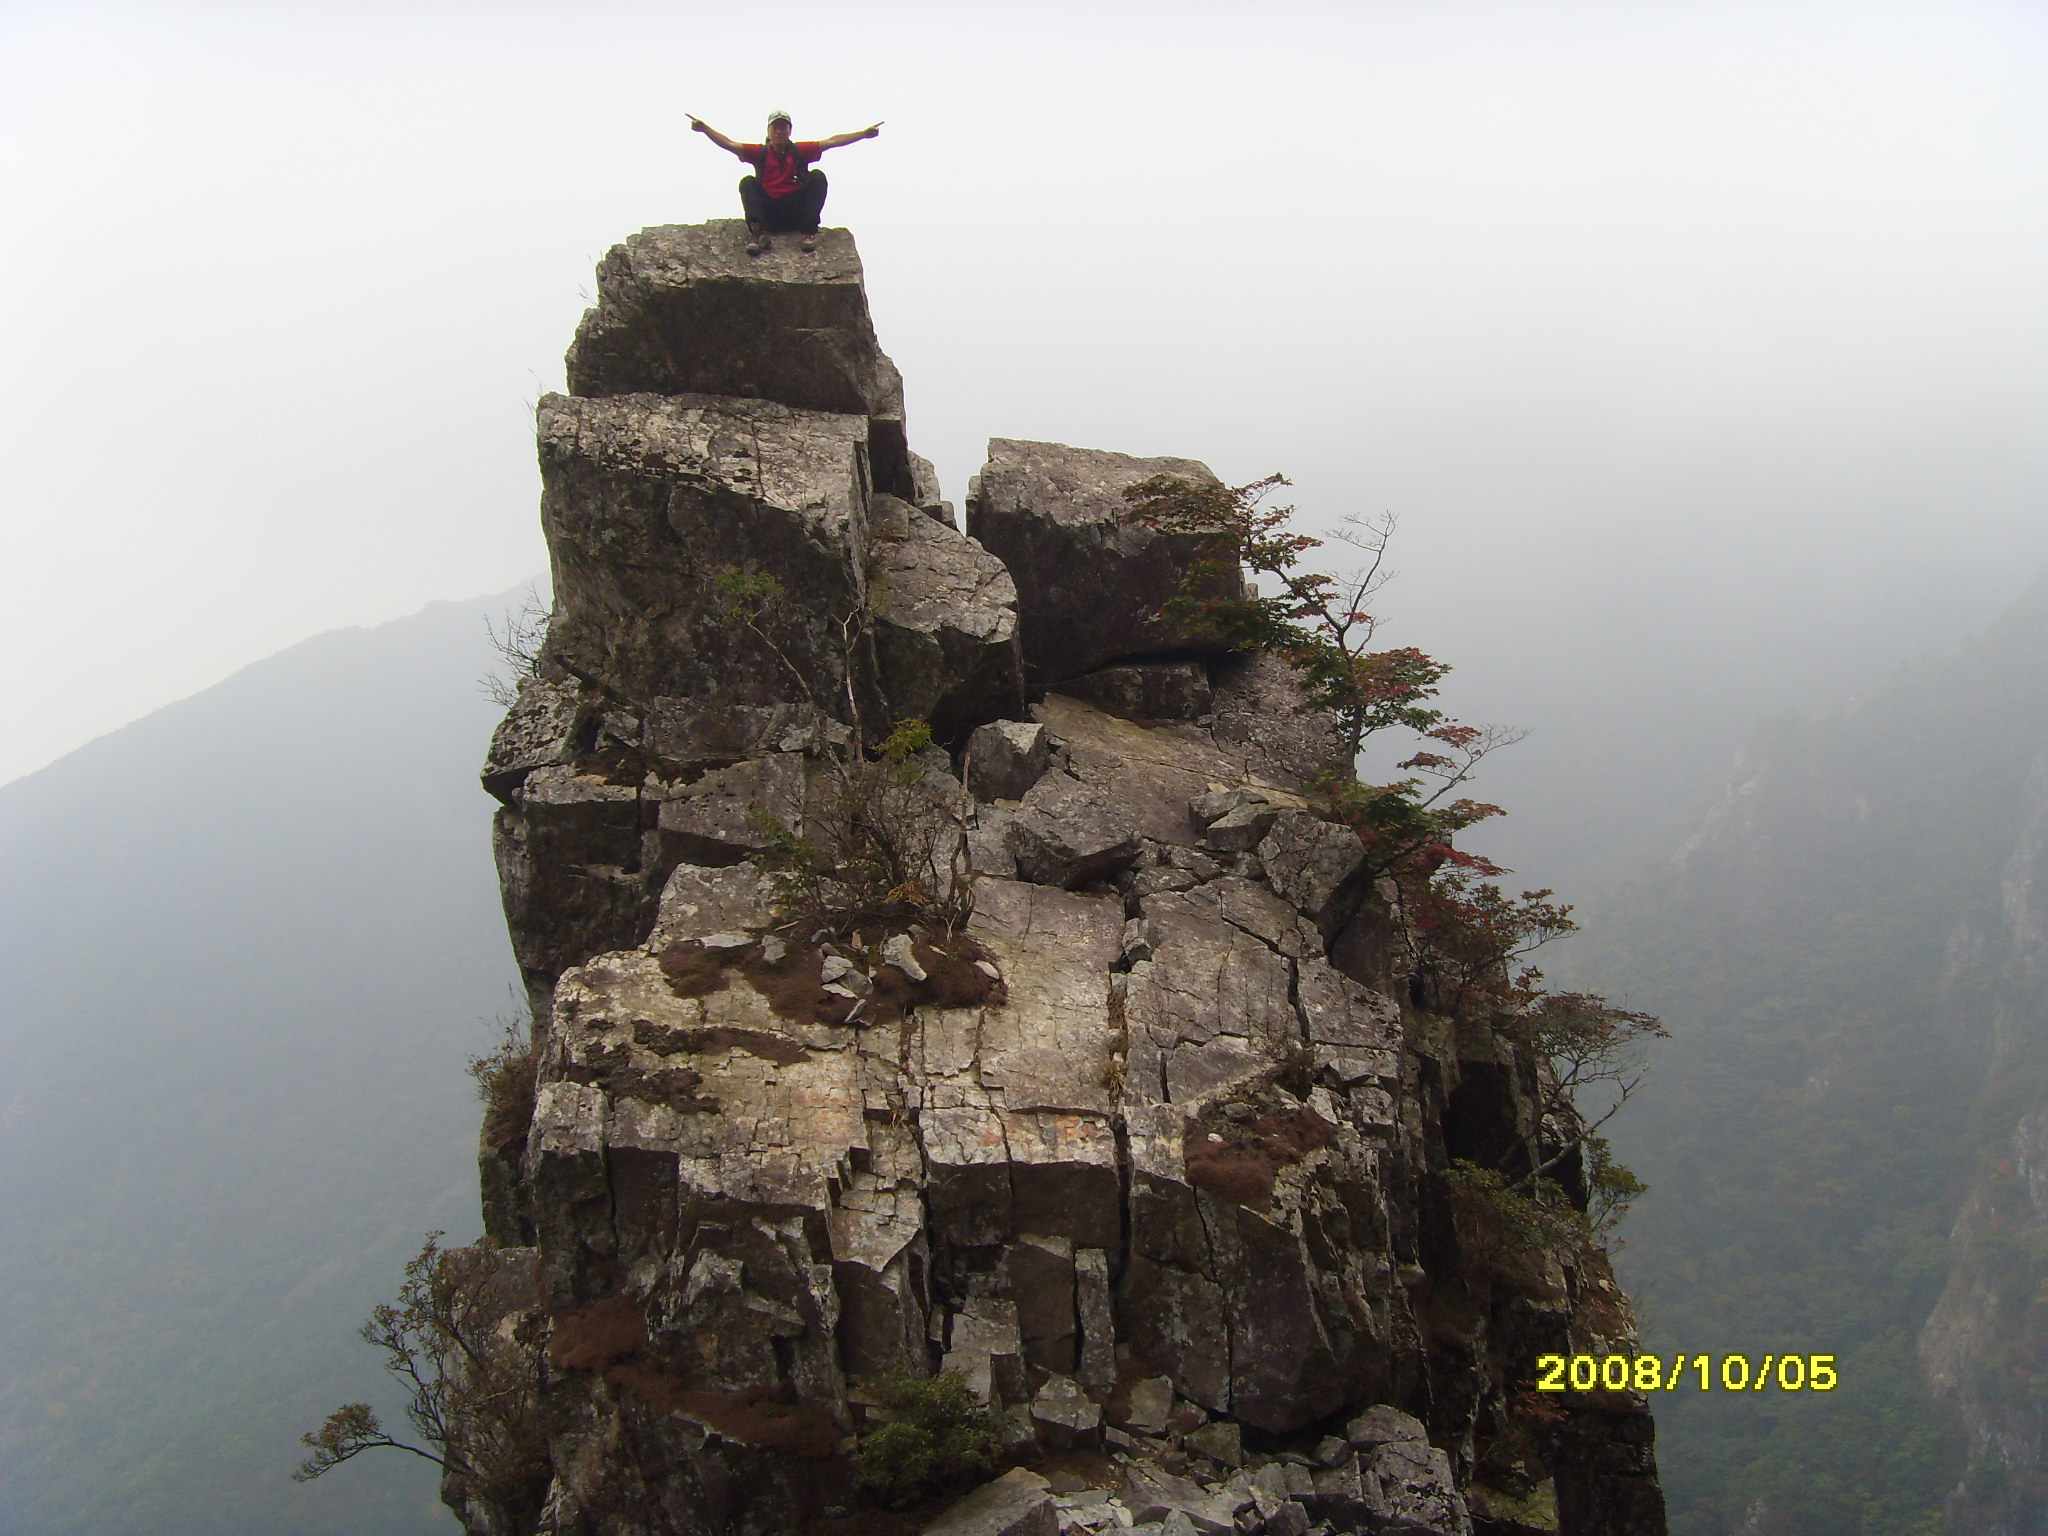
1090, 585
645, 501
1006, 757
1069, 834
945, 621
683, 310
1016, 1504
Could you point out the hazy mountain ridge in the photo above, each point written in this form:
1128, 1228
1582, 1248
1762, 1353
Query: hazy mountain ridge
1824, 947
246, 940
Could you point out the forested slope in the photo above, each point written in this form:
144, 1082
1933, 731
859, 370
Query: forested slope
1817, 948
248, 942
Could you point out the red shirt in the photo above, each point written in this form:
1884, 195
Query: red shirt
779, 172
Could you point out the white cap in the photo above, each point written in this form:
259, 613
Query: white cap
778, 117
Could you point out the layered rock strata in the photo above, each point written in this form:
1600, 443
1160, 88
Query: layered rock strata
1149, 1149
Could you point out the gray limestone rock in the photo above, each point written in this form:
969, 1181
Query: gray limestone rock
1019, 1503
1317, 865
1041, 1276
880, 1254
1151, 1404
1089, 584
1146, 690
945, 622
899, 952
1006, 757
1150, 1493
1335, 1010
646, 501
1157, 771
987, 1349
539, 731
1255, 909
697, 902
1240, 830
683, 310
1206, 808
925, 494
1420, 1496
1097, 1362
988, 842
1257, 715
1068, 834
568, 850
1208, 1006
1063, 1415
690, 735
722, 818
1381, 1424
1222, 1442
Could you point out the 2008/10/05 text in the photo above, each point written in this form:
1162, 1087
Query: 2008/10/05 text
1649, 1373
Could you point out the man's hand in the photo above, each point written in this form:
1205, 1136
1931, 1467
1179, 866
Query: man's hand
698, 125
871, 132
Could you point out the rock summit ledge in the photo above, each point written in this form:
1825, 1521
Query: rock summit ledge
1158, 1173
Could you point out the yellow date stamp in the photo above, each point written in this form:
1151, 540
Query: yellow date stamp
1651, 1373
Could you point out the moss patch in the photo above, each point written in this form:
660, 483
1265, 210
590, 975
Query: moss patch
951, 980
692, 970
674, 1086
758, 1416
1238, 1161
768, 1044
593, 1337
795, 986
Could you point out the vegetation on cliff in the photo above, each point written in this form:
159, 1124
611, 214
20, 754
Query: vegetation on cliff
1473, 940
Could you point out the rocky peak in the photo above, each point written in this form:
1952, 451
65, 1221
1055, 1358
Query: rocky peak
683, 310
1144, 1141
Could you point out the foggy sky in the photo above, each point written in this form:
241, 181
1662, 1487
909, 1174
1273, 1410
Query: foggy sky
1697, 347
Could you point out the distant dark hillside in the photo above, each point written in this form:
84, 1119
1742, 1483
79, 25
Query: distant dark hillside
1811, 1129
247, 943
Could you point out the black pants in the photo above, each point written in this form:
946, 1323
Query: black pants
799, 211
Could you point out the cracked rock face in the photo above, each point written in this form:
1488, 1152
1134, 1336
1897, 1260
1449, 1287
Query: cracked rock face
945, 613
645, 500
1143, 1149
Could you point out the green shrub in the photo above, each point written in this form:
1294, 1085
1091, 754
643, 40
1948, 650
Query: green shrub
943, 1438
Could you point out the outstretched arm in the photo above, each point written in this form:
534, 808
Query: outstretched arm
840, 139
698, 125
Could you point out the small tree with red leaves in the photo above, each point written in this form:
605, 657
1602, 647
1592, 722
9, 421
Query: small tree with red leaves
1317, 623
1321, 626
1473, 939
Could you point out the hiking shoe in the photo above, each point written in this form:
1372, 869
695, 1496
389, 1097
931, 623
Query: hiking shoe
811, 241
758, 242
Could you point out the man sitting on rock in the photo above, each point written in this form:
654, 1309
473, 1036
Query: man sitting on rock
786, 194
